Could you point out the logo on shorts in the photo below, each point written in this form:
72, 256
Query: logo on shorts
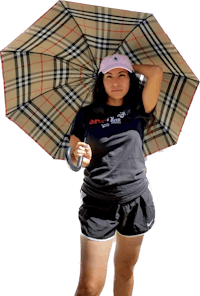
149, 224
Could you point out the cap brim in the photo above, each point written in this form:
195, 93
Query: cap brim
114, 67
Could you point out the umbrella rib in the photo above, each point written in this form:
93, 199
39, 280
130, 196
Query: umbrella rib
123, 40
183, 76
157, 44
166, 57
55, 57
44, 93
92, 58
28, 102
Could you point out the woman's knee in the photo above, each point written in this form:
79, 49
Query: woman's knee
90, 288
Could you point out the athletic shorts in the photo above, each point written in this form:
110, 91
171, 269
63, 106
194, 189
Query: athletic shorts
100, 219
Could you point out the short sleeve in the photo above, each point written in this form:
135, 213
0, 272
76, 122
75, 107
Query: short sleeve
77, 128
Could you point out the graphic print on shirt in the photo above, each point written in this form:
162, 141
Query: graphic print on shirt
110, 120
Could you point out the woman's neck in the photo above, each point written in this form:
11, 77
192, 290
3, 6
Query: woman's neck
116, 103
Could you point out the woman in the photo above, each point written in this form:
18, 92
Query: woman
116, 198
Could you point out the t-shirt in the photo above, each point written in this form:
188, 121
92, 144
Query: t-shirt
117, 169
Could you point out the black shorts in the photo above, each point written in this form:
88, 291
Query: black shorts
100, 219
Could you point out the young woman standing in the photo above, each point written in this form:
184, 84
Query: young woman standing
115, 194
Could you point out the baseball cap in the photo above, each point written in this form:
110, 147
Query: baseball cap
115, 61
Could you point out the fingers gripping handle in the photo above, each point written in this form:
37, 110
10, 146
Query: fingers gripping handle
69, 160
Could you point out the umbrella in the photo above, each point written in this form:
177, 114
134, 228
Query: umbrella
49, 71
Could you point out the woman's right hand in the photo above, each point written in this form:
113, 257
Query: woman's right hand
83, 149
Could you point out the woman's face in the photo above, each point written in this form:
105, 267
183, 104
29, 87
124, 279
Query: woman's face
116, 83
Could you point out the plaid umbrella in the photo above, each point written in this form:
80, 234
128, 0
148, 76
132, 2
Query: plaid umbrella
49, 71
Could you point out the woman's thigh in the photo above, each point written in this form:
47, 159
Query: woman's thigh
94, 259
127, 252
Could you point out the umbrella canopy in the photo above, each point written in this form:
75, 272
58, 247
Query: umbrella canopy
49, 71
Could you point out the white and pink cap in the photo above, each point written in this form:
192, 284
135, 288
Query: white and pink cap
115, 61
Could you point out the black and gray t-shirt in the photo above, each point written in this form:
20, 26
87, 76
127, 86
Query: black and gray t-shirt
117, 169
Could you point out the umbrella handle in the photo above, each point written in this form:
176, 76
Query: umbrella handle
69, 160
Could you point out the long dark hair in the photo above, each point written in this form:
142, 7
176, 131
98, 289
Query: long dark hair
132, 101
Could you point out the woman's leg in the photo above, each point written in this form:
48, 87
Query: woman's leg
93, 269
126, 255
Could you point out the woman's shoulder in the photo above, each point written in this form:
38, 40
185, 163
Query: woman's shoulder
86, 109
84, 113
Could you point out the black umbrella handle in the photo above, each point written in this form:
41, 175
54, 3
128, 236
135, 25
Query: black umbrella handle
68, 150
77, 167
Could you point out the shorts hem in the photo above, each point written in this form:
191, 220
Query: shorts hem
97, 239
133, 235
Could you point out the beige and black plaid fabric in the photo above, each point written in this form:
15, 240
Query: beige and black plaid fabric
50, 69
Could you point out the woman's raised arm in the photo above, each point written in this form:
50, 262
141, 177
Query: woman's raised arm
151, 91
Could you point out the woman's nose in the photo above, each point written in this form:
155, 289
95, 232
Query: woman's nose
115, 81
